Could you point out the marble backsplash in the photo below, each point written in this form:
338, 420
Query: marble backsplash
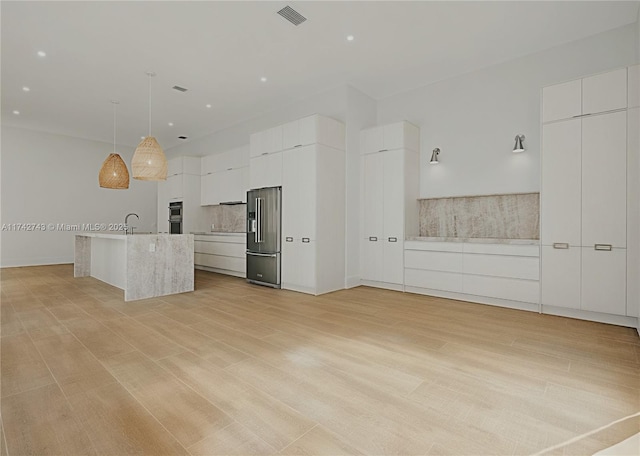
226, 218
512, 216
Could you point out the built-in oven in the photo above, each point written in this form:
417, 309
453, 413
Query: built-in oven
175, 217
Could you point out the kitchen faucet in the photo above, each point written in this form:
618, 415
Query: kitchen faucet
126, 223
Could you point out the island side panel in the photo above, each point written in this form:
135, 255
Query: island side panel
82, 257
108, 260
167, 270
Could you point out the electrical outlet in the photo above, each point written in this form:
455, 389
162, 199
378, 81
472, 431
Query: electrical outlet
152, 247
213, 227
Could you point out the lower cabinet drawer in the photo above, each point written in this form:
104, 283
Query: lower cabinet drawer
220, 248
434, 261
502, 288
436, 280
502, 266
220, 262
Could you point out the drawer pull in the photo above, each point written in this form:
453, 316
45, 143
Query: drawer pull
605, 247
298, 145
373, 238
288, 239
383, 150
560, 245
306, 240
393, 239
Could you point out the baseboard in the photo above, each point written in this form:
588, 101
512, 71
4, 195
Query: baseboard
619, 320
528, 306
352, 282
45, 261
222, 271
385, 285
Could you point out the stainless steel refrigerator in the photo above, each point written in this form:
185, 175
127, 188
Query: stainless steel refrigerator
263, 236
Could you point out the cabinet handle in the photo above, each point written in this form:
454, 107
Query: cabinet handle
305, 240
265, 153
288, 239
298, 145
582, 115
605, 247
229, 169
393, 239
383, 150
560, 245
373, 238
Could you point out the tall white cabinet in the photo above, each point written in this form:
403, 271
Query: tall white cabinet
182, 184
584, 197
390, 186
307, 158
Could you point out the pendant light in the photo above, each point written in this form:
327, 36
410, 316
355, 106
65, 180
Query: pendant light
114, 173
148, 162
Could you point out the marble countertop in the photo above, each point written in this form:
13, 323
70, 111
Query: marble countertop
475, 240
217, 233
119, 235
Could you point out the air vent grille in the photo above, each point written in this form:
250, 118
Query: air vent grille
182, 137
179, 89
292, 15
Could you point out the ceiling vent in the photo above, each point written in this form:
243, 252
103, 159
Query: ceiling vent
179, 89
182, 137
292, 15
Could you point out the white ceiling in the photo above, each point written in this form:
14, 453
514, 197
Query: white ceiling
99, 51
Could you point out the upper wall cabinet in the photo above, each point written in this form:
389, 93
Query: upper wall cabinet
594, 94
634, 86
225, 161
604, 92
313, 130
266, 142
399, 135
183, 165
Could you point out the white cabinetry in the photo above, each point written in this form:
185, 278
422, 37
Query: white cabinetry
182, 184
313, 205
591, 95
500, 274
584, 195
225, 177
222, 253
390, 167
266, 170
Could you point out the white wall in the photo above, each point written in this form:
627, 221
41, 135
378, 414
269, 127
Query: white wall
474, 118
361, 113
331, 103
49, 178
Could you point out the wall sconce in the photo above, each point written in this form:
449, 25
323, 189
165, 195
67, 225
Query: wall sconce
434, 156
519, 147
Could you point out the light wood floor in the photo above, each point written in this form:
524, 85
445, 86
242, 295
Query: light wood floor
239, 369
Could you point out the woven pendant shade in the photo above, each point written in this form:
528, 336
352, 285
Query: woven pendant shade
114, 173
148, 162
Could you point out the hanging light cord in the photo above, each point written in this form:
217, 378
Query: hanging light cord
114, 125
150, 76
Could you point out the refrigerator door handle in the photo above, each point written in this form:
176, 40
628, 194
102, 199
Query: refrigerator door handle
270, 255
259, 219
255, 222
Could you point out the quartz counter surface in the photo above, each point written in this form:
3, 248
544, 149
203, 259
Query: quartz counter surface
475, 240
143, 265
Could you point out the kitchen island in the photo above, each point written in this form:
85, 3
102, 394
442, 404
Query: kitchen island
143, 265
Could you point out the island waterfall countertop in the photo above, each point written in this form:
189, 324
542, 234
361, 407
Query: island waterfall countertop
143, 265
475, 240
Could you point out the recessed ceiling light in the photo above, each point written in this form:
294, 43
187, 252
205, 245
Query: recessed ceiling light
26, 89
142, 137
42, 54
208, 106
263, 79
16, 112
350, 37
171, 124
